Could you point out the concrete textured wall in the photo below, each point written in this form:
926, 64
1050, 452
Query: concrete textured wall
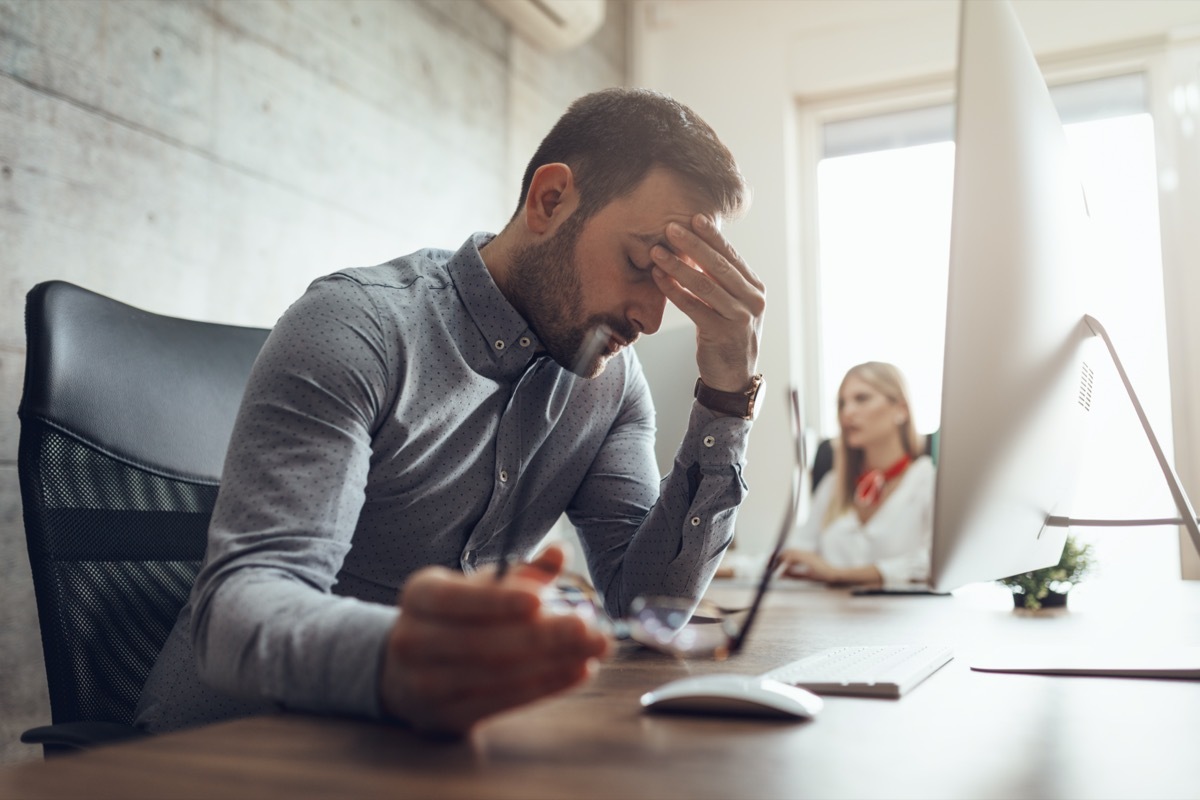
208, 158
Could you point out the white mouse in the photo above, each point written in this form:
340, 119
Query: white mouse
734, 695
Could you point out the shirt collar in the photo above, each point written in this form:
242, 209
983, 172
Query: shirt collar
511, 342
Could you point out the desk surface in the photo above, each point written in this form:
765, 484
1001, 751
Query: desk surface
961, 734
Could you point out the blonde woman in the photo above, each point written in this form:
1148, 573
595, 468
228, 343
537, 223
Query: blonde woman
872, 517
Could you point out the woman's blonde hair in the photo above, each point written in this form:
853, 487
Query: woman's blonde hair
848, 461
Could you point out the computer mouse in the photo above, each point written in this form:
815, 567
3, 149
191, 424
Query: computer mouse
734, 695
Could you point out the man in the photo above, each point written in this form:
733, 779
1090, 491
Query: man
405, 423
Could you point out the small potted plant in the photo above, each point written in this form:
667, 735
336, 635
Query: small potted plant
1048, 587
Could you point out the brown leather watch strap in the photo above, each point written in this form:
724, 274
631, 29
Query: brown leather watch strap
736, 404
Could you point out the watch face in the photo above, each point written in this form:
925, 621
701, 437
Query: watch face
755, 388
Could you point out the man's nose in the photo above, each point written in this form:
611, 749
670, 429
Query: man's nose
647, 313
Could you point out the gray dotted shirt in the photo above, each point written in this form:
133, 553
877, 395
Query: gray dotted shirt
401, 416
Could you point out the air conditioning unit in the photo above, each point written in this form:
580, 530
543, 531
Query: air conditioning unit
553, 25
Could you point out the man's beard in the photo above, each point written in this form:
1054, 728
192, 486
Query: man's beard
544, 286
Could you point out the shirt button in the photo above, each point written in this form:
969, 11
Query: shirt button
695, 522
709, 441
499, 345
504, 476
525, 341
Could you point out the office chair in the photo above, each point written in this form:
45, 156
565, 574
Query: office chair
823, 459
125, 419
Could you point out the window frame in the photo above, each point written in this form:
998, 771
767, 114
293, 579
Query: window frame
812, 114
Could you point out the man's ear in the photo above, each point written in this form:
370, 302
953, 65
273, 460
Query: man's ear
551, 199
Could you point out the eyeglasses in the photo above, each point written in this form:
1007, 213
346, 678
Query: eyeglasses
684, 627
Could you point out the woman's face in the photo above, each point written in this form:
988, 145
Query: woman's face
867, 416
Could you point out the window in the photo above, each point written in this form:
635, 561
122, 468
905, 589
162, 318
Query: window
884, 193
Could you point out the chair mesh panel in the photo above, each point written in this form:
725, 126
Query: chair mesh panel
114, 550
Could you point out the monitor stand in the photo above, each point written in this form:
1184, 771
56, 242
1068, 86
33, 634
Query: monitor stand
1187, 513
1167, 662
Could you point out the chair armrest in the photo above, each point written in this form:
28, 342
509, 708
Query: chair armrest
67, 736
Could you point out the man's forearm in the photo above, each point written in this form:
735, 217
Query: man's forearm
263, 636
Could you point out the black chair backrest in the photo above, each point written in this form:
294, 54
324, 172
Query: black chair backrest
125, 419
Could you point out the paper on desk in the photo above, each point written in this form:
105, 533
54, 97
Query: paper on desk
1139, 662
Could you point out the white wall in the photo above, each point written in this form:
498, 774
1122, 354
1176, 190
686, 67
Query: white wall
748, 65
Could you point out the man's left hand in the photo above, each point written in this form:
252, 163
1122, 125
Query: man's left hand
707, 280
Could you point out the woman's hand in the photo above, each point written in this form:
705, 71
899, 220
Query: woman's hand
807, 565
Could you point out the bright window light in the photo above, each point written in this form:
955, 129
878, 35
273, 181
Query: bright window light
884, 234
885, 248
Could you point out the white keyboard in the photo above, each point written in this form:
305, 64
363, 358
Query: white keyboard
873, 671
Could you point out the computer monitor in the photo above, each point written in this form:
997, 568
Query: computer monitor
1020, 353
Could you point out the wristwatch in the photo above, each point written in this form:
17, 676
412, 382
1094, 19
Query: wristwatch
735, 404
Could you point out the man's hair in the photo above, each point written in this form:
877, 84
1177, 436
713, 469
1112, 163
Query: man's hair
613, 138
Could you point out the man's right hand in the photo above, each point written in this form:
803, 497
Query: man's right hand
467, 647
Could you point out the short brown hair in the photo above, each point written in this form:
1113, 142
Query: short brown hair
613, 138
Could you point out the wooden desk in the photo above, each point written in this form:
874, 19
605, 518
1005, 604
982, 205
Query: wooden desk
961, 734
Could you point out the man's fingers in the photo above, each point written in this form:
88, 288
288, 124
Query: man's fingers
449, 685
545, 566
671, 281
708, 249
700, 273
702, 281
722, 290
552, 678
472, 701
707, 230
485, 671
492, 644
440, 593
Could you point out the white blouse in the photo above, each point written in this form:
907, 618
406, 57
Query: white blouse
897, 539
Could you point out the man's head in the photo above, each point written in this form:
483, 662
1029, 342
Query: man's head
612, 139
597, 195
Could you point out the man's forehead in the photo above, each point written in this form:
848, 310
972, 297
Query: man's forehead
660, 198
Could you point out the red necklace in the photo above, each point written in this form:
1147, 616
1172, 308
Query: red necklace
869, 488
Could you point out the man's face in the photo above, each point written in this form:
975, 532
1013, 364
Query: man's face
595, 276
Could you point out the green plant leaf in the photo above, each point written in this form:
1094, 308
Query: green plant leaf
1077, 562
